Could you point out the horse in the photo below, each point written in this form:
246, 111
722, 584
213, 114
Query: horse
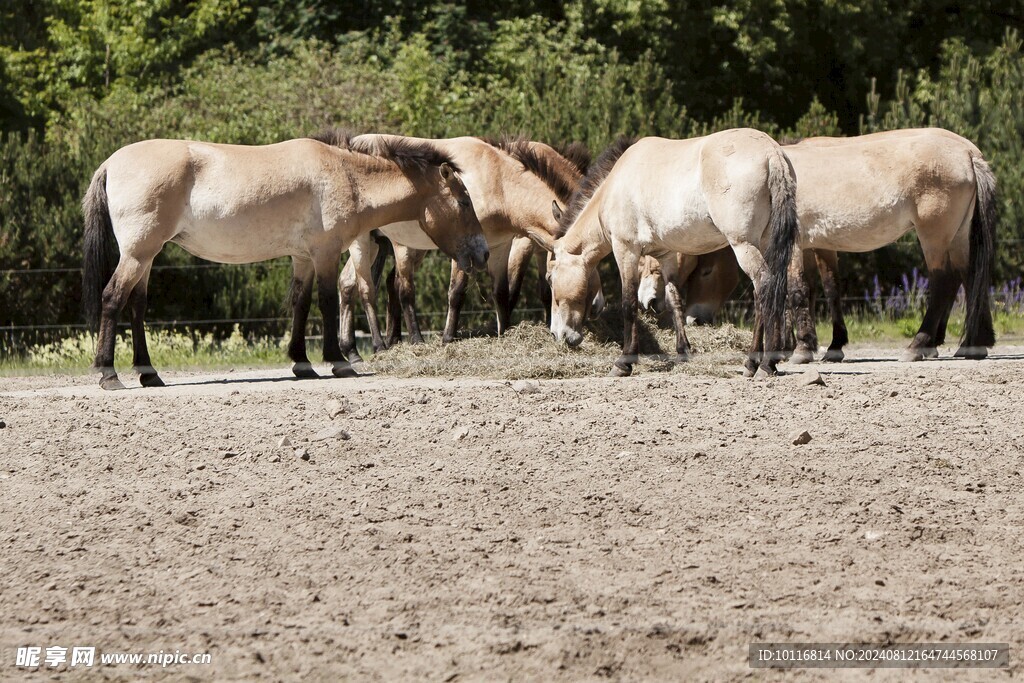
861, 193
305, 198
929, 180
707, 280
513, 183
655, 196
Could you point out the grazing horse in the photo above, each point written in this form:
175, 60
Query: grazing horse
707, 280
239, 204
513, 184
862, 193
655, 196
928, 180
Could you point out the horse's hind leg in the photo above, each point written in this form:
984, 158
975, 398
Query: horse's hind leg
947, 261
629, 271
407, 261
801, 305
126, 276
393, 310
761, 358
301, 298
148, 377
828, 267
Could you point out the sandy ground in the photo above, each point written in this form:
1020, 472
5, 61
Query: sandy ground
647, 528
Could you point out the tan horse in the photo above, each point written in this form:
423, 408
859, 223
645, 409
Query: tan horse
859, 194
707, 281
865, 192
513, 184
237, 204
655, 196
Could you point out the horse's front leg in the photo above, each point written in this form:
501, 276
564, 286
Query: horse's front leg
301, 295
672, 277
148, 376
518, 263
456, 296
327, 297
629, 271
497, 266
346, 312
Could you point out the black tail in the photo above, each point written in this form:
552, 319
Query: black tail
784, 235
99, 252
384, 250
978, 332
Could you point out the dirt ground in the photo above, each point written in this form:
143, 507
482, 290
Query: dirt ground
647, 528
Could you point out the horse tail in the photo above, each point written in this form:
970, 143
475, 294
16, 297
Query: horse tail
784, 236
99, 248
978, 332
384, 249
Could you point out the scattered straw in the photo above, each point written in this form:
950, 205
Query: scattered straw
527, 351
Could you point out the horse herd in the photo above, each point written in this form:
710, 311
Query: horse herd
676, 214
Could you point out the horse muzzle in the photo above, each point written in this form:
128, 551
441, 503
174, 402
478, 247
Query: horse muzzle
474, 254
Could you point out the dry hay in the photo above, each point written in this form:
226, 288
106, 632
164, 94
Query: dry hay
527, 351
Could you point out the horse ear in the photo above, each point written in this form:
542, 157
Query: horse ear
556, 210
542, 240
446, 172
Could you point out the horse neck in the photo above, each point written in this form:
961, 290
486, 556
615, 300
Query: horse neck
587, 236
390, 195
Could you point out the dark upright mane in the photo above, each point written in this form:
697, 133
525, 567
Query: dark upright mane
596, 174
552, 173
410, 155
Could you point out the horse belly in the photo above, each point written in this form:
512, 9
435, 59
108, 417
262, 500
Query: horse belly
408, 234
245, 238
691, 237
854, 232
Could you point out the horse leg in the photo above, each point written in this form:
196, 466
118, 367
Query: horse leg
364, 252
407, 261
456, 296
543, 289
301, 296
518, 263
327, 297
346, 312
148, 377
127, 275
497, 266
761, 359
393, 310
672, 277
828, 267
629, 271
946, 260
801, 306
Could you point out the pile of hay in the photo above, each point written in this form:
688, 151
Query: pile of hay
527, 351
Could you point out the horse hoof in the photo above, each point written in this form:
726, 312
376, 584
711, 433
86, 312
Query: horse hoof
377, 348
151, 379
763, 374
111, 384
618, 371
930, 352
911, 356
802, 357
304, 371
416, 340
833, 356
344, 370
971, 352
682, 358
